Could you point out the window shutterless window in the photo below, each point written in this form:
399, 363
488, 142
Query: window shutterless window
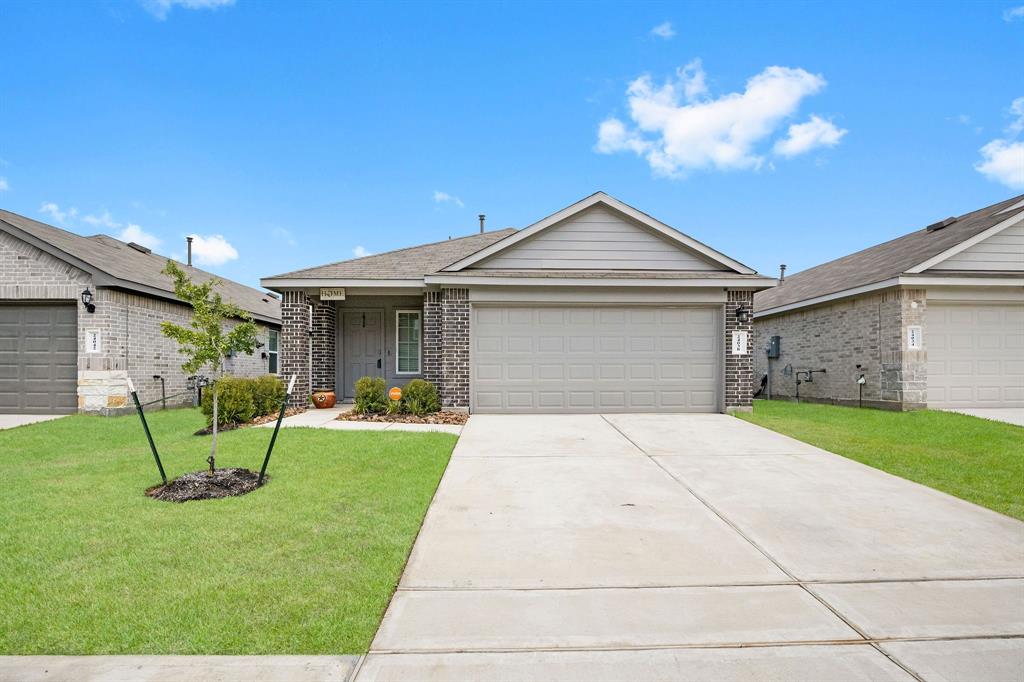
272, 344
408, 332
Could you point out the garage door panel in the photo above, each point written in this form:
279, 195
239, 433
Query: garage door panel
38, 358
579, 359
975, 355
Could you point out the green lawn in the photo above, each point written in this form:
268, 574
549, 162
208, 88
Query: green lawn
304, 565
978, 460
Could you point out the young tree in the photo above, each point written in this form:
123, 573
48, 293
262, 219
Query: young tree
205, 342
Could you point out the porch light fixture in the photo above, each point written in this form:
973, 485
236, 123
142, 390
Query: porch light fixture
87, 300
742, 315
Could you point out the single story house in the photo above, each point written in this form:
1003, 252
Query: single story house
598, 307
79, 315
934, 319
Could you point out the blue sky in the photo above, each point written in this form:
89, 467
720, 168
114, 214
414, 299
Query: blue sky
303, 133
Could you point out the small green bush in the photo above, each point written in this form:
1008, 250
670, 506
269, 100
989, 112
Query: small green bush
370, 396
419, 397
240, 399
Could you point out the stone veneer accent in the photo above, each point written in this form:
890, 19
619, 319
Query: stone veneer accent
129, 325
454, 386
432, 326
294, 356
324, 342
869, 331
739, 369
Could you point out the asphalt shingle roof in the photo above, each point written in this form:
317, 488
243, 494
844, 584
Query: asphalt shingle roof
413, 262
884, 261
119, 260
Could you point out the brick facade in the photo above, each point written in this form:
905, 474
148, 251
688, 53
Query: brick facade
454, 387
432, 326
324, 346
131, 342
295, 345
869, 331
739, 368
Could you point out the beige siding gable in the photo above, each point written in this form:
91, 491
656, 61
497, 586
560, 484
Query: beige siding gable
1003, 251
598, 238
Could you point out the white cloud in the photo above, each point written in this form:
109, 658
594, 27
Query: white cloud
102, 220
134, 233
1002, 159
679, 129
360, 252
212, 250
284, 235
1013, 14
803, 137
161, 8
444, 197
56, 213
664, 30
3, 184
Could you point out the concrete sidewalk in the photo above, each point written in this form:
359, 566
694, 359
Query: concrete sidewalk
695, 547
328, 419
175, 668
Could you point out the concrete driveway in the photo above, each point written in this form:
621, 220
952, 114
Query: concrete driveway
656, 547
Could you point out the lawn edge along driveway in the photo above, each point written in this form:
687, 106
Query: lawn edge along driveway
305, 565
977, 460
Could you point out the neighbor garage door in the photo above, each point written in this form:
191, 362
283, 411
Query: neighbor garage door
590, 359
38, 359
975, 355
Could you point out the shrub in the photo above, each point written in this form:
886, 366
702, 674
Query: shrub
370, 396
240, 399
419, 397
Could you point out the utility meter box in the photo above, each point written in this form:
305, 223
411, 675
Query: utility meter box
774, 346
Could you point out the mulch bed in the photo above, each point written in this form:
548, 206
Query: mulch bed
201, 485
457, 418
256, 421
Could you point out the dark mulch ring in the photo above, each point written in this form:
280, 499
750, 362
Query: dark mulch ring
201, 485
256, 421
436, 418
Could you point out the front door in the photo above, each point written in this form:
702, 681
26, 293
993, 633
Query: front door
363, 345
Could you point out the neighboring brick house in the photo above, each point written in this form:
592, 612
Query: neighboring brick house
932, 319
58, 357
596, 308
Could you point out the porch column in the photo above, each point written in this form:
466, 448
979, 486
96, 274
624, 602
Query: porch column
455, 348
432, 326
325, 334
739, 367
295, 348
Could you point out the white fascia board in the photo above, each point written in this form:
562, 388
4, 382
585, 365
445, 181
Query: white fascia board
845, 293
298, 283
903, 280
966, 244
729, 283
601, 198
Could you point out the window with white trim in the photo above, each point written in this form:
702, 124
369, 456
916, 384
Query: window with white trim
408, 339
272, 349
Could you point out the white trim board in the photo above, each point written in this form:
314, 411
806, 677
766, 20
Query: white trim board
661, 228
757, 283
965, 244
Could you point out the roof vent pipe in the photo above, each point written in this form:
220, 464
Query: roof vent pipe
782, 273
188, 242
482, 218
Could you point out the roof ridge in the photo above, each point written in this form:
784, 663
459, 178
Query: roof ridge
393, 251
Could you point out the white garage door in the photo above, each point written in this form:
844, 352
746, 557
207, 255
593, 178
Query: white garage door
975, 355
595, 359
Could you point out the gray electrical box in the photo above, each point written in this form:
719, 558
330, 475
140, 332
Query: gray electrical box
774, 346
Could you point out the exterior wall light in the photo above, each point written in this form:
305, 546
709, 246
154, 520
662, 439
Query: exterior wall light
87, 300
742, 315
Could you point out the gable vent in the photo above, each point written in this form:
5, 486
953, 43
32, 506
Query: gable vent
140, 247
941, 224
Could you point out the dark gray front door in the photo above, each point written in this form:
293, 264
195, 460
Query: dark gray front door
363, 345
38, 359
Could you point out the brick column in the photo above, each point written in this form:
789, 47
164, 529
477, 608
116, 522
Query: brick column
295, 348
325, 330
904, 373
739, 369
455, 348
432, 326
